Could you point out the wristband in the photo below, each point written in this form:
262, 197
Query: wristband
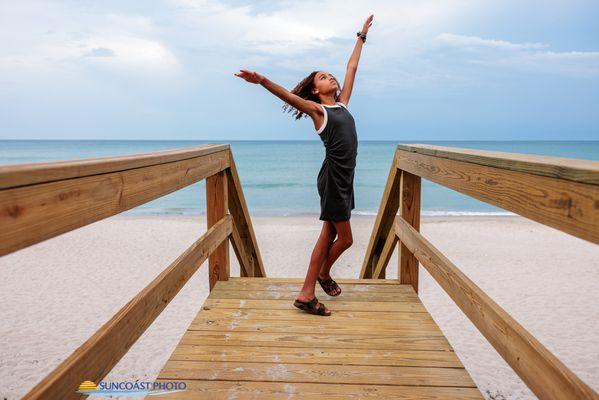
361, 35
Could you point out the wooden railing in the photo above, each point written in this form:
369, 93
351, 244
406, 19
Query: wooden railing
42, 200
559, 192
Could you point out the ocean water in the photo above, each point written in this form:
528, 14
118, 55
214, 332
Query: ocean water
279, 177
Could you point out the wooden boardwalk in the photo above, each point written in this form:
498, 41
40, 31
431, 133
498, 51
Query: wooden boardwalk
249, 342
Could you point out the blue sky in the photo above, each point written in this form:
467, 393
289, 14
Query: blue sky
430, 70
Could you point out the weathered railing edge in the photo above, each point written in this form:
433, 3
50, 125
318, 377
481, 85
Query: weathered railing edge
529, 356
16, 175
130, 321
574, 169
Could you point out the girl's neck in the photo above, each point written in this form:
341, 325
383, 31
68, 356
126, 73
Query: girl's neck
327, 101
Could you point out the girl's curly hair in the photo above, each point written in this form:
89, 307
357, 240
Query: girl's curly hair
304, 90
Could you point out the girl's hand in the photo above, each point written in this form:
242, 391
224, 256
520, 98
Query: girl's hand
250, 76
367, 24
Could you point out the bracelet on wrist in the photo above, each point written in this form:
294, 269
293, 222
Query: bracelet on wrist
362, 36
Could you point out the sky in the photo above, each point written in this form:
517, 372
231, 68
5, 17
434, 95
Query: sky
430, 70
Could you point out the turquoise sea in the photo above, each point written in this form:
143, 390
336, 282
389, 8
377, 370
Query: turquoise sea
279, 177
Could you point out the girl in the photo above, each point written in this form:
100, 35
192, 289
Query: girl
319, 96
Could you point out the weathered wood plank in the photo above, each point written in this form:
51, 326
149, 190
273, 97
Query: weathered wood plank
96, 357
569, 206
317, 373
368, 281
44, 172
383, 224
243, 223
226, 390
259, 284
216, 209
33, 213
338, 305
292, 295
409, 210
522, 351
397, 341
318, 355
583, 171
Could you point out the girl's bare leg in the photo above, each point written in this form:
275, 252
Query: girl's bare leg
318, 258
343, 242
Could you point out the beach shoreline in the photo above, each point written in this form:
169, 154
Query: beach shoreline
57, 293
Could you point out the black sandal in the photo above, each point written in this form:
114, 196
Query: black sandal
328, 285
310, 306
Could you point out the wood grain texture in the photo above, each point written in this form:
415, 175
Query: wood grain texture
409, 210
383, 224
100, 353
542, 372
577, 170
33, 213
252, 344
569, 206
44, 172
216, 209
244, 230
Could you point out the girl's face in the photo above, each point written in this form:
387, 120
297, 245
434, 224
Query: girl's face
325, 83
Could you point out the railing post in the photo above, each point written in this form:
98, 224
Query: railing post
216, 208
409, 210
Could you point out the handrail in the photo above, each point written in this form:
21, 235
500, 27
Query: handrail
557, 192
43, 200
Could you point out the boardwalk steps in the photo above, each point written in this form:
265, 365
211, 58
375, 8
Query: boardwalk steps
248, 341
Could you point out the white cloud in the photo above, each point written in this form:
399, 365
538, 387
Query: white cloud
461, 40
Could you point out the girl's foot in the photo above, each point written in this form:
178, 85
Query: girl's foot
329, 285
307, 304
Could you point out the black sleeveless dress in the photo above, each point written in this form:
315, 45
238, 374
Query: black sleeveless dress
336, 177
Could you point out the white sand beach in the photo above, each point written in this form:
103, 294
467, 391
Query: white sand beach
56, 294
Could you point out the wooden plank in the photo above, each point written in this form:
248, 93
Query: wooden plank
15, 175
31, 214
318, 355
292, 315
226, 390
583, 171
571, 207
216, 209
96, 357
348, 326
316, 373
292, 295
243, 223
241, 253
338, 305
409, 211
385, 256
233, 284
393, 282
397, 341
384, 222
525, 354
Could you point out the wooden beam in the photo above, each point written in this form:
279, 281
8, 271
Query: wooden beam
242, 221
379, 272
100, 353
33, 213
569, 206
573, 169
409, 211
216, 209
544, 374
241, 253
383, 225
44, 172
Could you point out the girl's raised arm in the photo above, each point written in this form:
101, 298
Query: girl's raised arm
306, 106
352, 65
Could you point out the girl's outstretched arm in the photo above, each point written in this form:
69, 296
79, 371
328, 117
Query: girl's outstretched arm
352, 65
306, 106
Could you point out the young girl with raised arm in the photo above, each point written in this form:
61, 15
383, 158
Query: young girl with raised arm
319, 96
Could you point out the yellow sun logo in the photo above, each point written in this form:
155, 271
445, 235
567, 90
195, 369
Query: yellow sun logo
87, 386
